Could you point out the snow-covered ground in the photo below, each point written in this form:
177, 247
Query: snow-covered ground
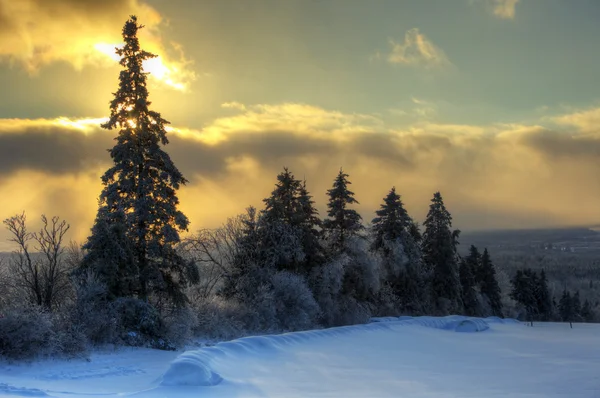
418, 357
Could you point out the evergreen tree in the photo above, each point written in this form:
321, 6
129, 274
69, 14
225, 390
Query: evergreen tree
283, 204
587, 314
392, 222
469, 295
394, 238
291, 204
565, 307
440, 255
544, 301
415, 232
489, 284
576, 307
140, 188
525, 286
343, 222
310, 224
112, 258
473, 261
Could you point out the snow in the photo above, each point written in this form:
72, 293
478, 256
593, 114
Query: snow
390, 357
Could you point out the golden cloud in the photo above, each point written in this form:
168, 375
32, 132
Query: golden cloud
501, 175
586, 121
505, 9
35, 33
417, 50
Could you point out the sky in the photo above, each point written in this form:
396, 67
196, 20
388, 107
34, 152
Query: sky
495, 103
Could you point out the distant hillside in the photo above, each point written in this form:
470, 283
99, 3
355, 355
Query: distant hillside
583, 241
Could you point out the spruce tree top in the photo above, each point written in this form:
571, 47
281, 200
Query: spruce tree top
143, 174
283, 204
343, 222
392, 220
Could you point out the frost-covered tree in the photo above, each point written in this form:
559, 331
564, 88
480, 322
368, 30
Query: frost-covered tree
392, 221
310, 224
291, 204
488, 283
283, 204
111, 256
140, 188
343, 222
439, 245
394, 239
39, 276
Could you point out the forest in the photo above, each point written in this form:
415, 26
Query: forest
282, 267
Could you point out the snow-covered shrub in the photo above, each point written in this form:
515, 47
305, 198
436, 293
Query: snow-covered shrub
326, 284
361, 276
139, 324
93, 314
218, 319
69, 339
352, 311
179, 325
295, 305
387, 302
26, 333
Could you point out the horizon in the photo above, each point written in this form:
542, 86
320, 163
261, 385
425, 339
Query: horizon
485, 101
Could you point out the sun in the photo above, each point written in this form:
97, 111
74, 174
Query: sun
157, 67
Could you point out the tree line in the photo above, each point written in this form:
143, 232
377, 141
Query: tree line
532, 292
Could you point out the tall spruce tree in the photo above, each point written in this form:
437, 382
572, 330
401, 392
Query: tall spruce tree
291, 204
394, 238
440, 255
469, 294
283, 204
565, 307
343, 222
488, 283
140, 189
544, 300
310, 224
392, 222
524, 291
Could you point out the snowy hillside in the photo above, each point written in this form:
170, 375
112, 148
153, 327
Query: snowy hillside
391, 357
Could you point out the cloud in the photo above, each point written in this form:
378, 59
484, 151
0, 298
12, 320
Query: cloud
234, 105
36, 33
503, 9
417, 51
491, 176
587, 121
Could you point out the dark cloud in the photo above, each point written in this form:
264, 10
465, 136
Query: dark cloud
489, 180
52, 150
556, 144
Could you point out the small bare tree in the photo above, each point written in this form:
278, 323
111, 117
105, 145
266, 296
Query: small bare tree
42, 275
214, 250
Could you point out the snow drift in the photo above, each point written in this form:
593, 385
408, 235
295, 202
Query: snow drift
194, 368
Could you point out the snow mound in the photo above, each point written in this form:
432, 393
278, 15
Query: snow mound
472, 325
6, 389
495, 319
194, 368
